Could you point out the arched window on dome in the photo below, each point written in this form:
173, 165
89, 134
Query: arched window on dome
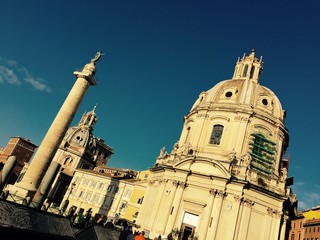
216, 134
245, 70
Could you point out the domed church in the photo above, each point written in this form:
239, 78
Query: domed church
226, 177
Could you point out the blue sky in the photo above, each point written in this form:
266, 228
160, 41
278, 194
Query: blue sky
159, 56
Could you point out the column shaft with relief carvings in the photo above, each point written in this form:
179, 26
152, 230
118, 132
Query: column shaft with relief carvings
47, 149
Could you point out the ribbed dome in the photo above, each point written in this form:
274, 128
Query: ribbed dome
82, 135
242, 92
239, 93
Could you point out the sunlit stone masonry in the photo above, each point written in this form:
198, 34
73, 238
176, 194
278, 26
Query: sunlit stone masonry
34, 184
226, 176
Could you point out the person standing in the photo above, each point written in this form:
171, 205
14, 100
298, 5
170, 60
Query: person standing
125, 231
87, 218
72, 211
140, 236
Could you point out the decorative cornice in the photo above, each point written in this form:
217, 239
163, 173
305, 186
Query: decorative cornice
159, 181
273, 212
237, 198
247, 202
179, 184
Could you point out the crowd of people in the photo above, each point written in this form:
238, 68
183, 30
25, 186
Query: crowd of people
80, 220
128, 234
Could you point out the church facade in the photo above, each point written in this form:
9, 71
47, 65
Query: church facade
79, 149
226, 177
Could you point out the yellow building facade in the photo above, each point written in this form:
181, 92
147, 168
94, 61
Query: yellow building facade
106, 191
137, 197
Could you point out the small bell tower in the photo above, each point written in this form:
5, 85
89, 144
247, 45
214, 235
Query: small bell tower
89, 119
248, 67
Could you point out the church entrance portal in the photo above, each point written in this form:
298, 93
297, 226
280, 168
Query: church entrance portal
187, 231
188, 226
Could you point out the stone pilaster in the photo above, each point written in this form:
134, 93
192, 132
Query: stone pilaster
216, 210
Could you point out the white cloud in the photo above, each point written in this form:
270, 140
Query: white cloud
299, 184
314, 196
10, 73
8, 76
37, 84
302, 205
308, 200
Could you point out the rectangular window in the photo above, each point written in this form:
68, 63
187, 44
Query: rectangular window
127, 193
123, 207
95, 198
85, 182
216, 134
116, 189
88, 196
93, 184
140, 200
81, 194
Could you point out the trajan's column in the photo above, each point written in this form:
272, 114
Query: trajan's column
29, 186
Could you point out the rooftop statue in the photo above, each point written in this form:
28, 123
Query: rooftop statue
97, 57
